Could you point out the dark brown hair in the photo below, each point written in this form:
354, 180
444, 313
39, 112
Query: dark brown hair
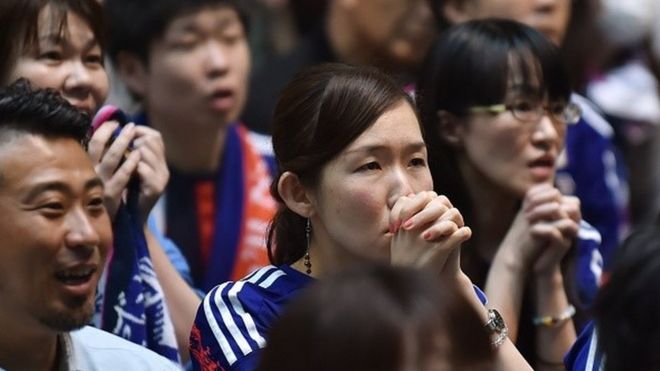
320, 113
376, 317
22, 33
627, 308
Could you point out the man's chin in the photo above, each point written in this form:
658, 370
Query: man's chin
69, 319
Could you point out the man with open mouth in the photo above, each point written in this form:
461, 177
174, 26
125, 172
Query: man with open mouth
56, 235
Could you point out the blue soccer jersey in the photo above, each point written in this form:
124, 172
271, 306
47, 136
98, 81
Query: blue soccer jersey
589, 264
584, 354
595, 173
234, 318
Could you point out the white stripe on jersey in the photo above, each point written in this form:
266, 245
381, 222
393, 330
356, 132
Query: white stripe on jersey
229, 323
215, 328
247, 318
256, 276
272, 274
271, 279
593, 345
596, 265
587, 232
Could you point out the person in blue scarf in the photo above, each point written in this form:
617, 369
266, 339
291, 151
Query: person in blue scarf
56, 236
60, 45
187, 62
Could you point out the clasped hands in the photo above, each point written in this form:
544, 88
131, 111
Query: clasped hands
427, 233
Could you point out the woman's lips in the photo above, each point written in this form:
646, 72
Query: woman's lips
542, 169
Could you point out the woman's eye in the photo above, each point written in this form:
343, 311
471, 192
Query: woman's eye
418, 162
557, 108
51, 56
94, 59
369, 166
523, 106
96, 201
231, 39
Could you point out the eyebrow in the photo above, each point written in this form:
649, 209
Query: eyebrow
61, 187
222, 24
372, 148
58, 39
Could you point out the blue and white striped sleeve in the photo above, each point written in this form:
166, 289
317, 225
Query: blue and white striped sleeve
584, 354
227, 333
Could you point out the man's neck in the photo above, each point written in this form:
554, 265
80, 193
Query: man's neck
192, 149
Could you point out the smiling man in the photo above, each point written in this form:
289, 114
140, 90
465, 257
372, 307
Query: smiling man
55, 238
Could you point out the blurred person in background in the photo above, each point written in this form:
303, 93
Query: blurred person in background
591, 168
187, 62
393, 35
625, 334
624, 84
373, 317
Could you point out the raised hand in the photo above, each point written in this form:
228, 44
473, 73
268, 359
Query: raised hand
136, 150
554, 221
427, 231
152, 168
113, 162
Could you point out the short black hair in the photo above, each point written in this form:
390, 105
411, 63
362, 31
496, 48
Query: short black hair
41, 112
133, 25
627, 308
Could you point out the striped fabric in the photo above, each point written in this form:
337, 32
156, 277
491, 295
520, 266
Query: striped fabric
585, 355
234, 317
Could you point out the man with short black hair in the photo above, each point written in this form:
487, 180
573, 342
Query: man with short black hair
56, 236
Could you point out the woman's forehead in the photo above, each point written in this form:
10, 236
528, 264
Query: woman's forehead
525, 76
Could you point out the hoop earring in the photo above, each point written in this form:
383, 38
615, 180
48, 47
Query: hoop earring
306, 260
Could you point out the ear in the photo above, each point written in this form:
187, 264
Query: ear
456, 11
132, 72
450, 128
294, 194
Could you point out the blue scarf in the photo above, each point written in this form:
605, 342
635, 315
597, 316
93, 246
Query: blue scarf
130, 301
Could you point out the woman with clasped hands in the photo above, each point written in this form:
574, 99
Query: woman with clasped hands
353, 184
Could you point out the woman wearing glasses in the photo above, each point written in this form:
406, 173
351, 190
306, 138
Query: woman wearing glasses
495, 106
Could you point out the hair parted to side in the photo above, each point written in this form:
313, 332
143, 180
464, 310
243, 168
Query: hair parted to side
89, 10
319, 113
40, 112
134, 25
627, 307
377, 317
